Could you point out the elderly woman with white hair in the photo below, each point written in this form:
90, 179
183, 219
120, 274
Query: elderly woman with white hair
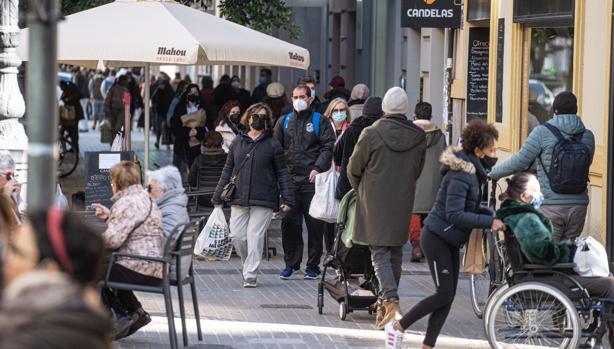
9, 186
164, 186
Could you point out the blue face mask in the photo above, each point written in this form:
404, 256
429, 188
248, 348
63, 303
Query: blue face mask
339, 116
263, 79
537, 201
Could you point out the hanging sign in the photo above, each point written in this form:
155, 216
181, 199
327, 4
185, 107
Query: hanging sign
431, 13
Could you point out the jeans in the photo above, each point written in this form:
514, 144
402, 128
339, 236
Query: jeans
567, 220
124, 301
444, 262
292, 234
84, 103
98, 109
387, 262
248, 227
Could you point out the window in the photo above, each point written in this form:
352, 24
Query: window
555, 13
478, 10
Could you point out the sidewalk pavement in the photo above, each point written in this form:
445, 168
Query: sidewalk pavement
282, 314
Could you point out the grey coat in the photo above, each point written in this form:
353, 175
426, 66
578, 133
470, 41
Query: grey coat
383, 170
430, 178
173, 205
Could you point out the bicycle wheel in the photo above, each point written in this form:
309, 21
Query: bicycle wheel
68, 159
533, 314
479, 289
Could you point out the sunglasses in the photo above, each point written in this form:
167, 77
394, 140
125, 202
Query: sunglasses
8, 175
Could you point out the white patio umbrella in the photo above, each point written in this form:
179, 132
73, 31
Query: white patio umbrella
139, 33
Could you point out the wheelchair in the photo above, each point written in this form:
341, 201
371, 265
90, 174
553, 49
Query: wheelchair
539, 306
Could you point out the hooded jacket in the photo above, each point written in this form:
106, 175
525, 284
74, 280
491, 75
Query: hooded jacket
533, 231
345, 145
540, 144
174, 207
457, 210
430, 178
43, 310
383, 169
303, 149
263, 176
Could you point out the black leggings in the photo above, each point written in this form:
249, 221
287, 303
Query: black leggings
443, 261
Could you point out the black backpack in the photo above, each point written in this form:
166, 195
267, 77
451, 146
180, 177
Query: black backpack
570, 163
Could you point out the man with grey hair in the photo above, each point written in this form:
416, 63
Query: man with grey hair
9, 185
164, 185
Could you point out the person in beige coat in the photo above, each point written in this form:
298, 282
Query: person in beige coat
383, 170
134, 226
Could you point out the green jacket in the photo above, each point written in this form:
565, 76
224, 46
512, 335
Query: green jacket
534, 234
540, 144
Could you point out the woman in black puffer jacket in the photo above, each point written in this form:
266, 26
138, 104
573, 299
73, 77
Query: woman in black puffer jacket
258, 162
455, 213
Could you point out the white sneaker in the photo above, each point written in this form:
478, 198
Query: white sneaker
394, 337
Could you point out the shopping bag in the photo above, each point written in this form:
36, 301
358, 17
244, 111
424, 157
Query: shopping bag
213, 240
61, 201
118, 142
324, 206
474, 261
591, 258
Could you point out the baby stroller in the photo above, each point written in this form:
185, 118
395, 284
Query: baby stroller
355, 286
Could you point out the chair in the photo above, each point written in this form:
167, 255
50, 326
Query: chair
169, 257
182, 273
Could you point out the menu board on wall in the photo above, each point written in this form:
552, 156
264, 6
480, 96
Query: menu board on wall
500, 59
477, 73
98, 176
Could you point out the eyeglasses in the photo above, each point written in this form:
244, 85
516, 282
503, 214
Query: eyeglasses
259, 115
8, 175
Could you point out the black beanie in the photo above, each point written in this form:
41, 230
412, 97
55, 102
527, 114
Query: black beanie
565, 103
373, 107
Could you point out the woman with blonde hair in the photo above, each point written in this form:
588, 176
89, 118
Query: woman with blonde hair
256, 164
338, 113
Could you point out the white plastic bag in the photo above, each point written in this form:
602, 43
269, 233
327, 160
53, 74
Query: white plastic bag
213, 240
83, 125
324, 206
118, 142
61, 201
591, 259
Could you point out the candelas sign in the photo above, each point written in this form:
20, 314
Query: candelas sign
431, 13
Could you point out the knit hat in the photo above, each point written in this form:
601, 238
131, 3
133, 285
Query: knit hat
373, 107
565, 103
337, 81
360, 91
395, 101
275, 90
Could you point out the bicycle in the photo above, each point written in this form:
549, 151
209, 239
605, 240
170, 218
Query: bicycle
68, 158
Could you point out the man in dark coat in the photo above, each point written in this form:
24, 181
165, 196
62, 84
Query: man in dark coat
309, 150
345, 145
337, 90
383, 170
259, 93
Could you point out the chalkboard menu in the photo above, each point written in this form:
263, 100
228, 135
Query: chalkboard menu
477, 73
500, 59
98, 176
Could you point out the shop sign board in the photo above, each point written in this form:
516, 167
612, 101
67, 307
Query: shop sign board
431, 13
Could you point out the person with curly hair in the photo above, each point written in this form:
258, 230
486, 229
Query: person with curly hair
455, 213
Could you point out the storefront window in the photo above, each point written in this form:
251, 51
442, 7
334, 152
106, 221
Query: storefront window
535, 12
478, 10
550, 71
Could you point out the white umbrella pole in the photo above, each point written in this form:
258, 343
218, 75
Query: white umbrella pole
146, 116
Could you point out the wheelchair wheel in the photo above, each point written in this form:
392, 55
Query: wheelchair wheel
480, 289
489, 303
533, 314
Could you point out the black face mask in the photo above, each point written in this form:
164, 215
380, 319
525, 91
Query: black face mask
488, 162
235, 118
258, 123
193, 98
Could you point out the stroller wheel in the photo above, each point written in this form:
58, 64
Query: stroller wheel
343, 310
320, 297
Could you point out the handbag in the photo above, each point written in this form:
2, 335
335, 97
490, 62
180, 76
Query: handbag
474, 260
229, 189
591, 258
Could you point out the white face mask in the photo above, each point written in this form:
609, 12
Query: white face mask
339, 116
299, 105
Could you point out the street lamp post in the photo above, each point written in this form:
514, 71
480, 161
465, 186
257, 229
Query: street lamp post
41, 82
12, 107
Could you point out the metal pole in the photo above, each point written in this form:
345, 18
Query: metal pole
146, 104
41, 81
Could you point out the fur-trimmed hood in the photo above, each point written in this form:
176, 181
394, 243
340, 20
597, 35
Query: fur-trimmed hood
452, 160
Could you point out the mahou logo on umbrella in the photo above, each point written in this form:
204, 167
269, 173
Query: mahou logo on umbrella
163, 51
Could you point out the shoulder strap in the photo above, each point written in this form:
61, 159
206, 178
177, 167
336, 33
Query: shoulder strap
247, 157
315, 120
555, 131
